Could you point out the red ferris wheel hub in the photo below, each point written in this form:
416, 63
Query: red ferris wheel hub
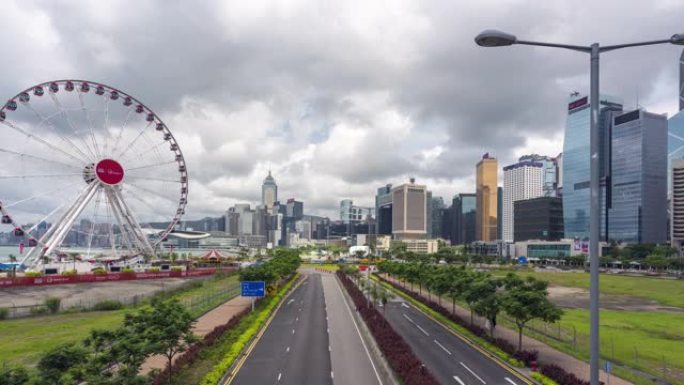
109, 171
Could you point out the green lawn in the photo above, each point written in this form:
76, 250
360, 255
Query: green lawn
668, 292
639, 339
24, 340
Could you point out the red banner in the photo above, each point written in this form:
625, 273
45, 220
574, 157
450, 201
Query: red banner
109, 277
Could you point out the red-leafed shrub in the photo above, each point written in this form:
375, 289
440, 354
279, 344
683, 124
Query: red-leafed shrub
399, 355
561, 376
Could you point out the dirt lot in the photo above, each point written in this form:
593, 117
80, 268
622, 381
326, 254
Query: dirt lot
87, 294
576, 298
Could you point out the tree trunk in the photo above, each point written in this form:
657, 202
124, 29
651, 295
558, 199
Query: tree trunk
170, 362
471, 316
453, 305
520, 332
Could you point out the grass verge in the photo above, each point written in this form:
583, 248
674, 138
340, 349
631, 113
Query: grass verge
323, 266
211, 367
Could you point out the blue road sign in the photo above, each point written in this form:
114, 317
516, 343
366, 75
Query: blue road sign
252, 288
522, 260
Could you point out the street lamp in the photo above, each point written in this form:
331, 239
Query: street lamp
494, 38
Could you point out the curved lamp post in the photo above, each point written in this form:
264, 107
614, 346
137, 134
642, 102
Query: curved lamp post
495, 38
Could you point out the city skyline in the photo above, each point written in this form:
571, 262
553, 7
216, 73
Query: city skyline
312, 116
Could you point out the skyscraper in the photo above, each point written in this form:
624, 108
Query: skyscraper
576, 165
486, 179
522, 180
436, 217
350, 213
675, 127
409, 219
463, 215
383, 210
538, 218
677, 204
639, 178
549, 172
269, 192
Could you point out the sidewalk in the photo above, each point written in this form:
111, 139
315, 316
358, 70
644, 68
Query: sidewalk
546, 353
205, 324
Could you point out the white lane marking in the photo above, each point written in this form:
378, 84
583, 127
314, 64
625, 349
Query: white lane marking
290, 301
416, 325
279, 376
405, 305
443, 348
458, 380
296, 319
473, 373
287, 350
327, 330
292, 331
332, 375
330, 350
511, 381
356, 326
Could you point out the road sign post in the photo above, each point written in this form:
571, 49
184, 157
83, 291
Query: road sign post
253, 289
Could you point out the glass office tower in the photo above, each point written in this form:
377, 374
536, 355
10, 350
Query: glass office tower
576, 164
639, 178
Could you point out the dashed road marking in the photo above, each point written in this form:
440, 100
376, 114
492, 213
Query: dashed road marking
458, 380
443, 348
473, 373
510, 381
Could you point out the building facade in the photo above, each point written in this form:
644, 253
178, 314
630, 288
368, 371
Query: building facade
409, 211
638, 212
486, 179
351, 213
522, 180
576, 171
550, 172
463, 213
383, 210
269, 192
677, 205
539, 218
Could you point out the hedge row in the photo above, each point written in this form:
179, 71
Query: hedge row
401, 358
554, 372
214, 377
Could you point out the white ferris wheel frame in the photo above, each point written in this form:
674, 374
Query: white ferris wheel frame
132, 235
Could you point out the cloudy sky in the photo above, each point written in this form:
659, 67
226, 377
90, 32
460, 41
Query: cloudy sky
340, 97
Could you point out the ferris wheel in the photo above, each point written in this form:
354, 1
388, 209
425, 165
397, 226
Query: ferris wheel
84, 166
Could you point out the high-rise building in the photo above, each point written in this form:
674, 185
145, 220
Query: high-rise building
538, 218
428, 214
269, 192
499, 210
639, 178
409, 219
675, 127
350, 213
383, 210
463, 215
559, 165
522, 180
677, 204
576, 166
294, 209
436, 217
486, 179
550, 172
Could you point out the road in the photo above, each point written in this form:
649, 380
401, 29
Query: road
296, 348
448, 357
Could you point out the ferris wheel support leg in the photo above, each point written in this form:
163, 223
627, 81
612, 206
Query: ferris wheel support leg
122, 225
133, 223
65, 225
33, 257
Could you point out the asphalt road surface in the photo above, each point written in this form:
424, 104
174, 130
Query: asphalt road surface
296, 348
449, 358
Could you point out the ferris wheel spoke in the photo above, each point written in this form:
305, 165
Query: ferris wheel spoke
146, 151
147, 178
38, 176
115, 147
106, 125
65, 115
110, 225
130, 144
90, 124
50, 161
47, 122
51, 192
149, 191
152, 165
40, 140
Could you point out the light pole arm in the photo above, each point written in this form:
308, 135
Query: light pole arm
618, 46
555, 45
